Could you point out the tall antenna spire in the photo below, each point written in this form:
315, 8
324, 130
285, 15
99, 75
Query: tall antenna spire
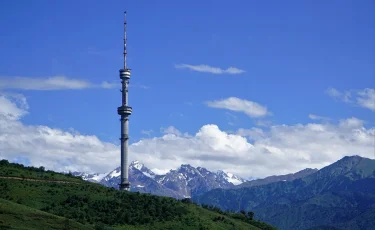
124, 111
125, 40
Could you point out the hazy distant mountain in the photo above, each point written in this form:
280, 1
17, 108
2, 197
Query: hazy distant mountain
180, 183
272, 179
339, 196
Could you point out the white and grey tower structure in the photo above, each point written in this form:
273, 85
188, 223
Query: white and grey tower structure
124, 111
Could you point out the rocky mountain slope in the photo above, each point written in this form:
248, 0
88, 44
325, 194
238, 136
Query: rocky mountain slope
341, 195
186, 181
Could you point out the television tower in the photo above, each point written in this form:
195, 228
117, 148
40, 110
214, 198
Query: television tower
124, 111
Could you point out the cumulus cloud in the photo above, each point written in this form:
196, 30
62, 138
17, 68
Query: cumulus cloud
282, 149
250, 108
53, 148
210, 69
247, 152
49, 83
364, 98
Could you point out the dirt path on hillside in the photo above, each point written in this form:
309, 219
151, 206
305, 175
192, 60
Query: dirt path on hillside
29, 179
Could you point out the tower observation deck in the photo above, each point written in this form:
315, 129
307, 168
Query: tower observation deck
124, 111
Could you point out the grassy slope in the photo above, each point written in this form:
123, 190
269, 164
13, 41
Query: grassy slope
17, 170
92, 204
16, 216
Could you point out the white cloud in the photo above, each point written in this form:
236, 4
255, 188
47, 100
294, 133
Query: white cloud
364, 98
333, 92
250, 108
12, 106
171, 130
316, 117
53, 148
263, 123
107, 85
344, 96
246, 152
210, 69
49, 83
282, 149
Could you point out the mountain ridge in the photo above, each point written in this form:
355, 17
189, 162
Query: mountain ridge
332, 196
276, 178
182, 182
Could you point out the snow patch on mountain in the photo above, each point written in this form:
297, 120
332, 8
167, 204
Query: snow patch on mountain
95, 177
115, 173
146, 171
99, 177
183, 182
136, 165
231, 178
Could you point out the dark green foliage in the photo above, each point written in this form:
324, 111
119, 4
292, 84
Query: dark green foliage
187, 201
250, 215
240, 216
19, 170
99, 207
16, 216
341, 195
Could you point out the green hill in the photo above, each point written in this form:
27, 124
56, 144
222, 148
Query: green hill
34, 197
339, 196
16, 216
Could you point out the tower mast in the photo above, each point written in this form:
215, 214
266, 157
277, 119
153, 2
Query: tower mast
124, 111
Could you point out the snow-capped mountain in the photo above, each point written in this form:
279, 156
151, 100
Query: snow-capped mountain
190, 181
186, 181
230, 177
95, 177
141, 180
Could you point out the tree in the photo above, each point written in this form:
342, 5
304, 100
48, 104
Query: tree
243, 212
250, 215
4, 162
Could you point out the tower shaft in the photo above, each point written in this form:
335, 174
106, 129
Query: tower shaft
124, 111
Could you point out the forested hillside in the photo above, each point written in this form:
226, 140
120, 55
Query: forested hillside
341, 195
95, 206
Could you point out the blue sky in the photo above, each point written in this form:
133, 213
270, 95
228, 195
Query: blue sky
298, 58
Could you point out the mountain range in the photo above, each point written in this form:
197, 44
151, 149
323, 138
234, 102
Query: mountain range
339, 196
183, 182
272, 179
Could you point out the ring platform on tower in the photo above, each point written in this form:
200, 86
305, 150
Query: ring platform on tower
124, 110
125, 74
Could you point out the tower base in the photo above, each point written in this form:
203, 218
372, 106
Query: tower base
124, 186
